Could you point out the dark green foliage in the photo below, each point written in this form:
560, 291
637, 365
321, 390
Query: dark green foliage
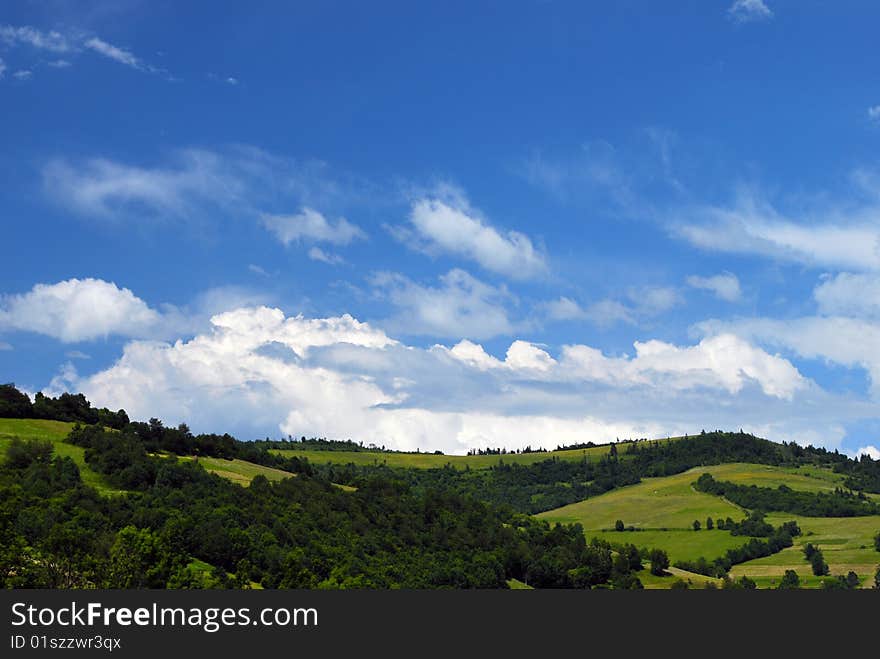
21, 453
618, 525
13, 403
877, 541
816, 559
840, 503
659, 562
840, 582
790, 581
679, 584
709, 524
696, 525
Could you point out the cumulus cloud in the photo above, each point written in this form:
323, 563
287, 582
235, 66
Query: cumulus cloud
256, 371
310, 225
725, 286
849, 342
78, 310
451, 226
747, 11
460, 306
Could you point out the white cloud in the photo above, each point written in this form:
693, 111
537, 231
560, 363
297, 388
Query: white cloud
232, 81
645, 302
604, 313
318, 254
119, 55
78, 310
23, 74
874, 113
839, 239
257, 270
871, 451
724, 361
462, 306
725, 286
654, 300
256, 371
848, 294
5, 346
310, 225
60, 64
76, 354
451, 226
51, 41
2, 67
747, 11
104, 188
849, 342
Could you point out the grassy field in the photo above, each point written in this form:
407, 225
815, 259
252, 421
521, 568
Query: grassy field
666, 508
846, 543
433, 461
240, 471
55, 432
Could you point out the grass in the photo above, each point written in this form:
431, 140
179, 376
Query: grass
516, 584
55, 432
240, 471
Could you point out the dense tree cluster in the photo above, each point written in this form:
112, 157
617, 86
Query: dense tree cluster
840, 503
816, 559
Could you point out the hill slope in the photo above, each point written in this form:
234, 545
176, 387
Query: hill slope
665, 508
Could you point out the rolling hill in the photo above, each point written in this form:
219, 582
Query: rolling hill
663, 511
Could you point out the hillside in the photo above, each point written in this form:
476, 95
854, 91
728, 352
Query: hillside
236, 470
590, 517
664, 509
55, 432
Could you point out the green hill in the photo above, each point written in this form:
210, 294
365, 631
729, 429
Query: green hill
663, 509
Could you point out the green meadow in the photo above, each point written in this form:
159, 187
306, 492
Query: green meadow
240, 471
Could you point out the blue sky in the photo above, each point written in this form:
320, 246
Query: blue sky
447, 225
